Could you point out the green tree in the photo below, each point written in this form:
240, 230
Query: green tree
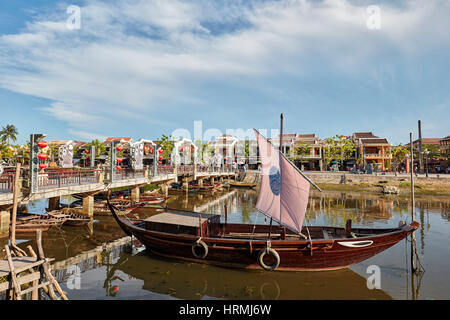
340, 148
204, 149
100, 147
8, 133
6, 152
346, 148
166, 143
302, 150
398, 156
329, 151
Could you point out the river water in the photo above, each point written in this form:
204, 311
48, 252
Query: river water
125, 272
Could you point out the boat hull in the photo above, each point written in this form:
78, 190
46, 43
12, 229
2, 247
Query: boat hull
298, 255
242, 254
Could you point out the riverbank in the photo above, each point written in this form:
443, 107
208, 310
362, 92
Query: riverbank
436, 185
376, 184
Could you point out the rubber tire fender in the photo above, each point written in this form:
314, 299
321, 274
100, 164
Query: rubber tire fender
202, 245
275, 255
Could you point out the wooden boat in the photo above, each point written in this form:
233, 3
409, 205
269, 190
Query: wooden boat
73, 217
29, 223
283, 196
179, 235
123, 207
241, 184
153, 199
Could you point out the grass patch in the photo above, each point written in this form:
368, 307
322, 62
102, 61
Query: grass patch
150, 187
404, 184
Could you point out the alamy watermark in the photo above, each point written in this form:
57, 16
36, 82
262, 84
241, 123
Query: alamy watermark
74, 280
374, 280
373, 21
73, 22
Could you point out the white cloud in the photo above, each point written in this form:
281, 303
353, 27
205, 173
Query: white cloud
130, 58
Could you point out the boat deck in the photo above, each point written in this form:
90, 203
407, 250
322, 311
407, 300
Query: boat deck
187, 219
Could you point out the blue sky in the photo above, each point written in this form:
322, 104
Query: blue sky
144, 68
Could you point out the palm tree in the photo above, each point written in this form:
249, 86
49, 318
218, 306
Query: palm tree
9, 133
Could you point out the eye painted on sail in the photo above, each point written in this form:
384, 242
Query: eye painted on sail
275, 180
356, 244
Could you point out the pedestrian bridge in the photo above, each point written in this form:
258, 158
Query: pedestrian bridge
62, 182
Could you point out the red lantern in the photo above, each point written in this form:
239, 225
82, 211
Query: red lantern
151, 150
115, 288
42, 156
87, 151
87, 157
119, 160
159, 162
160, 151
181, 149
42, 144
41, 166
160, 158
119, 148
118, 167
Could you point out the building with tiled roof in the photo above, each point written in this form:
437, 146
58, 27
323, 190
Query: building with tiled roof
371, 149
444, 143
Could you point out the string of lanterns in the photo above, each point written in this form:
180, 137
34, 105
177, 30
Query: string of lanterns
42, 156
119, 148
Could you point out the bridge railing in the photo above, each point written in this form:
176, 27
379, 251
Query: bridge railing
7, 181
64, 178
126, 174
165, 169
185, 169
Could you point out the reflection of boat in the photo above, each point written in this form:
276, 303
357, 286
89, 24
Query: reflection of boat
194, 281
283, 196
241, 184
180, 190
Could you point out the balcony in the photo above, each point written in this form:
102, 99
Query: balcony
370, 156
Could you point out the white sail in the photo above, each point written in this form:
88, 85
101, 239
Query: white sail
284, 191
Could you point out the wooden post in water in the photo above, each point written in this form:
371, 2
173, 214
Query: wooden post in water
226, 214
413, 264
412, 177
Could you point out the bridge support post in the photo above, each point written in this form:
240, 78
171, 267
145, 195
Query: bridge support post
165, 189
200, 182
4, 223
221, 179
135, 193
212, 180
88, 205
53, 203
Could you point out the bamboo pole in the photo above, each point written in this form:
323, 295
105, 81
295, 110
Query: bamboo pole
413, 240
44, 267
17, 251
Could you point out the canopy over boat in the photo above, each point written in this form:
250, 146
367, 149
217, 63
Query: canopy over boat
284, 190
